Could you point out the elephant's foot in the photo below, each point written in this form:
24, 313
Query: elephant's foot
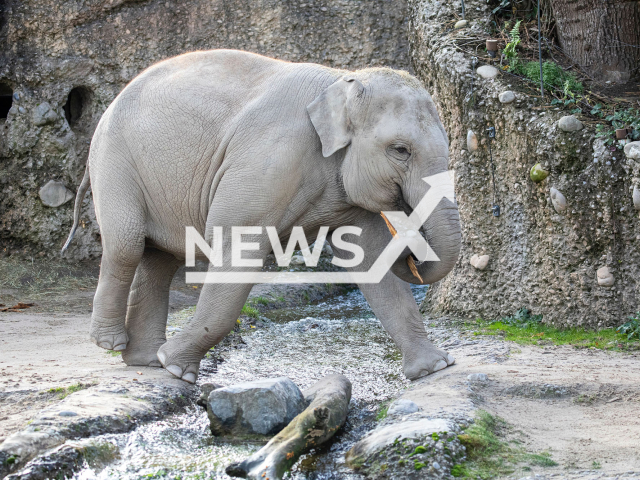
109, 337
143, 356
176, 360
425, 360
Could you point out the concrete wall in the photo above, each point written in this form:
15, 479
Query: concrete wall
50, 47
539, 258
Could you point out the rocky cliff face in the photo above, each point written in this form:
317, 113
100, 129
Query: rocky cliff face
547, 257
63, 62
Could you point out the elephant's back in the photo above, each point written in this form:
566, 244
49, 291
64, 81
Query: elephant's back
172, 127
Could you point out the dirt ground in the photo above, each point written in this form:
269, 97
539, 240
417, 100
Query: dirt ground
580, 405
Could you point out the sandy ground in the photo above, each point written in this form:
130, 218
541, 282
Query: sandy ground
45, 348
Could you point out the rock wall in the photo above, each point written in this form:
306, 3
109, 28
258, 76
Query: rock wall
63, 62
539, 257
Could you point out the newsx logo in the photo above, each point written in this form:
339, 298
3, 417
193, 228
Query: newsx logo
405, 230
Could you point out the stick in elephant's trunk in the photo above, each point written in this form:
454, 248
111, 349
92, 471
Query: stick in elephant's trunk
318, 423
410, 260
393, 231
412, 266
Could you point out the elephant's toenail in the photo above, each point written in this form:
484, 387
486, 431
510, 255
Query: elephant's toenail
162, 357
175, 370
450, 359
119, 348
440, 365
105, 345
189, 377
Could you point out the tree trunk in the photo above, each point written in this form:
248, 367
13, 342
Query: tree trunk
602, 36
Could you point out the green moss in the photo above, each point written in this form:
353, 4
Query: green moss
383, 409
529, 330
62, 392
490, 455
435, 437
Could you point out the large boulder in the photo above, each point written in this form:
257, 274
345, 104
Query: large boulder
254, 409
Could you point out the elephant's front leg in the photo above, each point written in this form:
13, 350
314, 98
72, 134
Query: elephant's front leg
395, 307
218, 309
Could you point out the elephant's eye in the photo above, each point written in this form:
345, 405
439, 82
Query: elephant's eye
399, 152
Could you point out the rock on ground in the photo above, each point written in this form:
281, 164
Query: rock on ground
259, 408
327, 412
410, 449
402, 407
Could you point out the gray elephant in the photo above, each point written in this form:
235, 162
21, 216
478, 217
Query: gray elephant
229, 138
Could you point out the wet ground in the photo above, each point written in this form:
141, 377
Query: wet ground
338, 335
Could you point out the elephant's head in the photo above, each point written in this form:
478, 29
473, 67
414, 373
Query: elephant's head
392, 138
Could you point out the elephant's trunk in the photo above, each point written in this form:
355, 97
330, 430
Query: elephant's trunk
442, 231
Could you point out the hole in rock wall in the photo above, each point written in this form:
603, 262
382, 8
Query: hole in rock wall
6, 100
77, 103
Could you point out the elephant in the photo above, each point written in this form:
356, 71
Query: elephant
231, 138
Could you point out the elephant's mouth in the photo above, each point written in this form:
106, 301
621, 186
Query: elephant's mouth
412, 260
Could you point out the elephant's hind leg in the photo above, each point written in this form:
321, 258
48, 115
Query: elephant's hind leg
122, 248
148, 307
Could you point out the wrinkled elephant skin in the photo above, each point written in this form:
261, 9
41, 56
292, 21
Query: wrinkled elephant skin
228, 138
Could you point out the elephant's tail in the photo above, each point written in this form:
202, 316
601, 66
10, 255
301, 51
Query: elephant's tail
82, 191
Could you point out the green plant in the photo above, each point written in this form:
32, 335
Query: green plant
624, 118
596, 465
510, 49
250, 311
259, 301
554, 77
631, 328
522, 318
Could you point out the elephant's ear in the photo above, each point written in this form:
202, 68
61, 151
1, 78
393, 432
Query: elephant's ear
330, 116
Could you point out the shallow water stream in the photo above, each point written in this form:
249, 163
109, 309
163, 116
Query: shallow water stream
339, 335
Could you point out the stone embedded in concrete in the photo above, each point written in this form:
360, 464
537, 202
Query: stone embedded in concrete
480, 262
507, 97
569, 123
384, 436
636, 197
632, 150
262, 407
605, 277
487, 71
460, 24
558, 200
478, 377
538, 173
403, 406
43, 114
472, 141
54, 193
